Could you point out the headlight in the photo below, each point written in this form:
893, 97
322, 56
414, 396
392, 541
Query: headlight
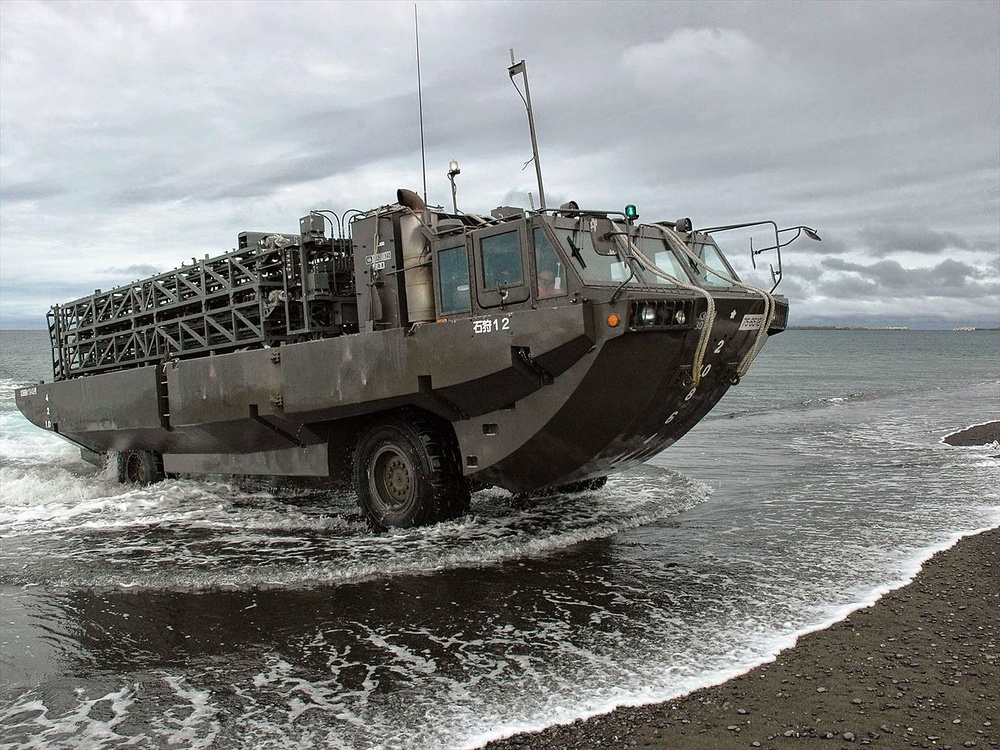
647, 314
656, 314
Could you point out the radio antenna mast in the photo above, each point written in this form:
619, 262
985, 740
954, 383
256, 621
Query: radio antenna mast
514, 69
420, 103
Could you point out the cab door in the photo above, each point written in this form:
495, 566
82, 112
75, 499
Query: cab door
500, 260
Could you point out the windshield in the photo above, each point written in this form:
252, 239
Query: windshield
658, 251
711, 256
596, 268
609, 266
591, 265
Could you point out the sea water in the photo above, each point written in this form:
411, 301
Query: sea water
195, 614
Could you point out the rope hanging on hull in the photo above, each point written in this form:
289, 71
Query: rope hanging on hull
769, 303
706, 331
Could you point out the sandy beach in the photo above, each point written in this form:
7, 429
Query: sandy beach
917, 669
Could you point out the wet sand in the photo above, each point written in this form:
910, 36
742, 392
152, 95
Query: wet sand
917, 669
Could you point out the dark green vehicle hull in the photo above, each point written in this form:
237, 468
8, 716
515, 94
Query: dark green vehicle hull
547, 396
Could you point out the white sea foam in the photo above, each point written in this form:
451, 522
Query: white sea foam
109, 720
22, 442
8, 389
688, 672
318, 546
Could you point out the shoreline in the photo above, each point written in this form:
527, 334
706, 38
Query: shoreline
918, 668
985, 433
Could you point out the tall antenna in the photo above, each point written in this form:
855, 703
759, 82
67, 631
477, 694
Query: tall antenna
514, 69
420, 104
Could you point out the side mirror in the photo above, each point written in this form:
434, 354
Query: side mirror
602, 232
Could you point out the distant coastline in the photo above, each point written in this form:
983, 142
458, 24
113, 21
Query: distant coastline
849, 328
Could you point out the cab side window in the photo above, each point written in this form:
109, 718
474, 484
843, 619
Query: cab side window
501, 255
550, 277
453, 271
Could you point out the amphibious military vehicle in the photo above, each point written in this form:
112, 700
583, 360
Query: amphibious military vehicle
415, 353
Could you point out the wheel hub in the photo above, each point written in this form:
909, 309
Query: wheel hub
133, 469
397, 479
391, 478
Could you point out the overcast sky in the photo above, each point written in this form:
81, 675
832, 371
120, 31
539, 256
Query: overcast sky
134, 136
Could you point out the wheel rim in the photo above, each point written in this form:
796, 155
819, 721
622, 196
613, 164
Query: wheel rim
391, 478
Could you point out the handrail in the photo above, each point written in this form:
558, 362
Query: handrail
778, 244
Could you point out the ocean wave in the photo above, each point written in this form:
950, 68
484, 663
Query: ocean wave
218, 537
8, 389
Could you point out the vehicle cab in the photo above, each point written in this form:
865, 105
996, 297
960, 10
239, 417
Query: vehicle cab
552, 258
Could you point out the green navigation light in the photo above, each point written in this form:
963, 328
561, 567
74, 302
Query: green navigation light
631, 212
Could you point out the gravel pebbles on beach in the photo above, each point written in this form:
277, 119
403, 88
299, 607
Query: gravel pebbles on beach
917, 669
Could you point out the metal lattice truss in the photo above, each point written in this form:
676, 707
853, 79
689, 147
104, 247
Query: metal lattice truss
246, 298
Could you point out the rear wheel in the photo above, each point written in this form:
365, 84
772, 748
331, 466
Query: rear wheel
570, 488
406, 473
586, 485
140, 467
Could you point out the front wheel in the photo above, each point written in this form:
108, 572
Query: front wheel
406, 473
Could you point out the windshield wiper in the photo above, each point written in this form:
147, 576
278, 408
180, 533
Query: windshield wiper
576, 251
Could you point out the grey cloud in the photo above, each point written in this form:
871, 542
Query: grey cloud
831, 244
131, 272
799, 273
883, 240
25, 301
850, 287
29, 190
889, 279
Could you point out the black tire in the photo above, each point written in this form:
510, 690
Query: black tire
587, 485
570, 488
406, 473
140, 467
